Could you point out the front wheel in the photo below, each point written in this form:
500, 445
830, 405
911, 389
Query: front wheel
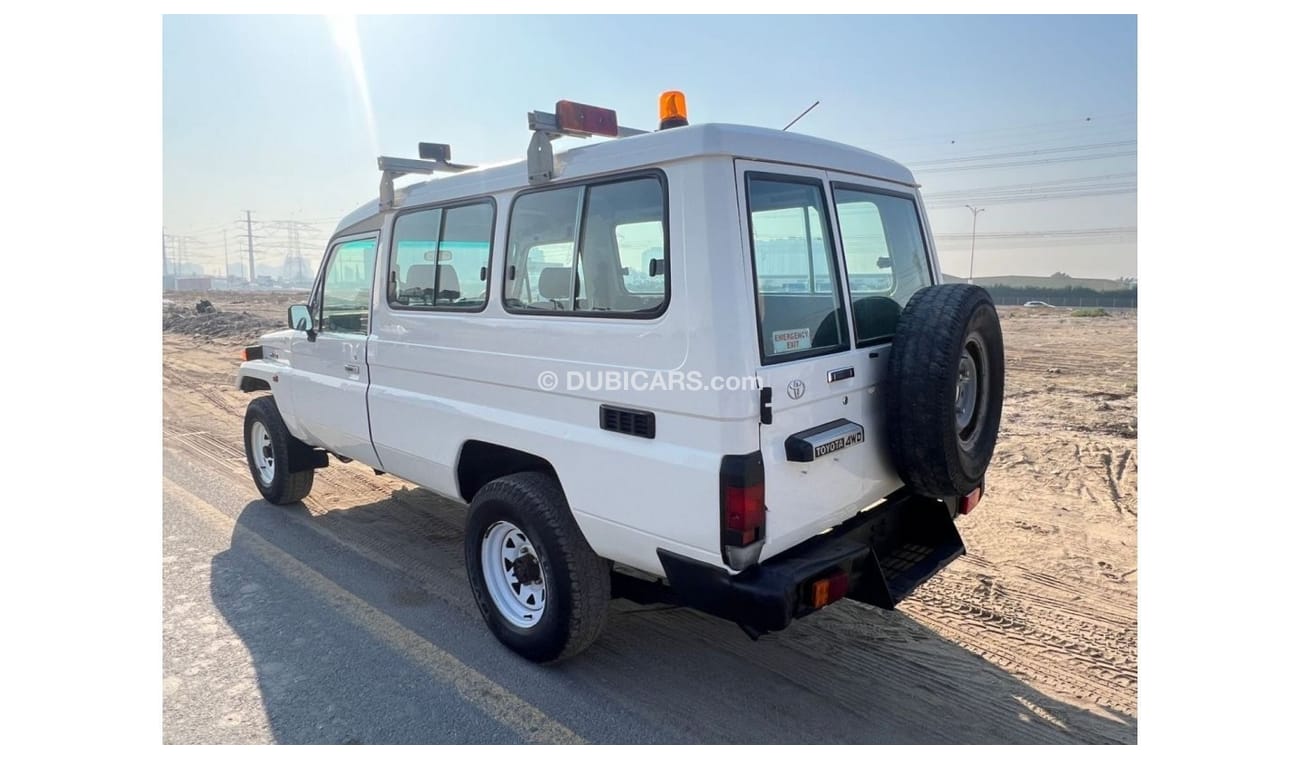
541, 589
267, 445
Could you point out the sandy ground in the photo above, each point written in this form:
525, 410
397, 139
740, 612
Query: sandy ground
1032, 637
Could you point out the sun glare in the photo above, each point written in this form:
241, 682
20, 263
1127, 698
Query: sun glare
344, 31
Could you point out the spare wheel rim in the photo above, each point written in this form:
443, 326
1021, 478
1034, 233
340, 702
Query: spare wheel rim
971, 392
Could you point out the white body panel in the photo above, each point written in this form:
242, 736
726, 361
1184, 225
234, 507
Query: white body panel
428, 382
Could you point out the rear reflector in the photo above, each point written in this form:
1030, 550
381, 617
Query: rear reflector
829, 589
970, 501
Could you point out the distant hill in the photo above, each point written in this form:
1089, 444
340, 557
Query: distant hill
1026, 281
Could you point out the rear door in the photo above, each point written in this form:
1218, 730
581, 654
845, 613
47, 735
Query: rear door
330, 374
824, 449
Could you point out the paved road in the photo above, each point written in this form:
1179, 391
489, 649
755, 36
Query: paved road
349, 620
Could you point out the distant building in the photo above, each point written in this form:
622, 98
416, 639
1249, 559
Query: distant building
194, 283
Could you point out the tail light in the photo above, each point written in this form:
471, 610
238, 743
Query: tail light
744, 513
970, 501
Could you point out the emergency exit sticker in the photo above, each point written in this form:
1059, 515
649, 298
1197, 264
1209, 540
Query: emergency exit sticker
784, 341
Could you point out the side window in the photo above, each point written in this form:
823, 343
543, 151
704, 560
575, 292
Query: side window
800, 310
619, 266
345, 290
884, 256
440, 258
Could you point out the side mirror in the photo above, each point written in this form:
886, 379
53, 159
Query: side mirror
300, 319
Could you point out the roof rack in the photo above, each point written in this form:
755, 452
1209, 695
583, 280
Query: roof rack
433, 158
569, 120
573, 120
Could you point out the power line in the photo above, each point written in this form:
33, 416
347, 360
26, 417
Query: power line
1022, 153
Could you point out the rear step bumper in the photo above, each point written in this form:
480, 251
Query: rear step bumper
887, 552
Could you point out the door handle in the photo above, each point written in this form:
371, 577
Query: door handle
836, 375
353, 368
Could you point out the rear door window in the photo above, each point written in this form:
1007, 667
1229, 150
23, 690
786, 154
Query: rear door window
800, 308
884, 257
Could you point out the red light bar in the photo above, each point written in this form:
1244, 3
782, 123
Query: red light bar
970, 501
581, 119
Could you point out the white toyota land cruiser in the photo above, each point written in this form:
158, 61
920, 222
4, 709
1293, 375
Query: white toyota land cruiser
710, 363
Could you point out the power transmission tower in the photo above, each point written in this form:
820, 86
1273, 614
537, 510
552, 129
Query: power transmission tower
974, 216
252, 267
225, 250
294, 269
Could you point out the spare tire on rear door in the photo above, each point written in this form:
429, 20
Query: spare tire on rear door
944, 389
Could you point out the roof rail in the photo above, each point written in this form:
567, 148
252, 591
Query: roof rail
393, 168
572, 120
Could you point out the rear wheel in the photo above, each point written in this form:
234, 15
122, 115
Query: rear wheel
945, 385
541, 589
269, 447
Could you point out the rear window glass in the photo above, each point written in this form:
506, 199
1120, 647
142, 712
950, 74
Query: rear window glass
884, 257
800, 309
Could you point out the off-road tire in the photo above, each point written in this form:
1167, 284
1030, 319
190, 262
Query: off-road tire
577, 581
925, 435
286, 486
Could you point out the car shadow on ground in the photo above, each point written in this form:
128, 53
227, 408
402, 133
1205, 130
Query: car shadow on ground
850, 673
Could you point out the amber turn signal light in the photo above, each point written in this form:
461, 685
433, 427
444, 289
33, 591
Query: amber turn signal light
829, 589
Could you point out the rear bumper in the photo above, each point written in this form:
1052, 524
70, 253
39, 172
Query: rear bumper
887, 552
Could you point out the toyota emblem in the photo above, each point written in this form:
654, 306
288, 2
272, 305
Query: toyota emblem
795, 389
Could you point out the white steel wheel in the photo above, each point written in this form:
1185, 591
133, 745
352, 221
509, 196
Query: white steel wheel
259, 444
512, 572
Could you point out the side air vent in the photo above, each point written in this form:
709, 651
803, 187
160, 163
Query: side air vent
627, 421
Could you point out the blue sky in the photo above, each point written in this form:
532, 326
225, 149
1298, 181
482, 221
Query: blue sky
267, 112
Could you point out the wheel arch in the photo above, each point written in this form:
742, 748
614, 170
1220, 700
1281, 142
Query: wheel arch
480, 462
255, 375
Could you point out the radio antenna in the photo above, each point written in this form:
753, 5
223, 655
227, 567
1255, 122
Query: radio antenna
800, 116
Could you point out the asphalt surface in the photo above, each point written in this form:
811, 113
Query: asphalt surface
298, 625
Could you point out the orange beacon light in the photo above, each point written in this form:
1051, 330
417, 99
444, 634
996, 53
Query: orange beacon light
672, 109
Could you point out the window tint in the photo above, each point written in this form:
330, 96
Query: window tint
440, 258
619, 267
884, 256
641, 256
800, 310
345, 295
